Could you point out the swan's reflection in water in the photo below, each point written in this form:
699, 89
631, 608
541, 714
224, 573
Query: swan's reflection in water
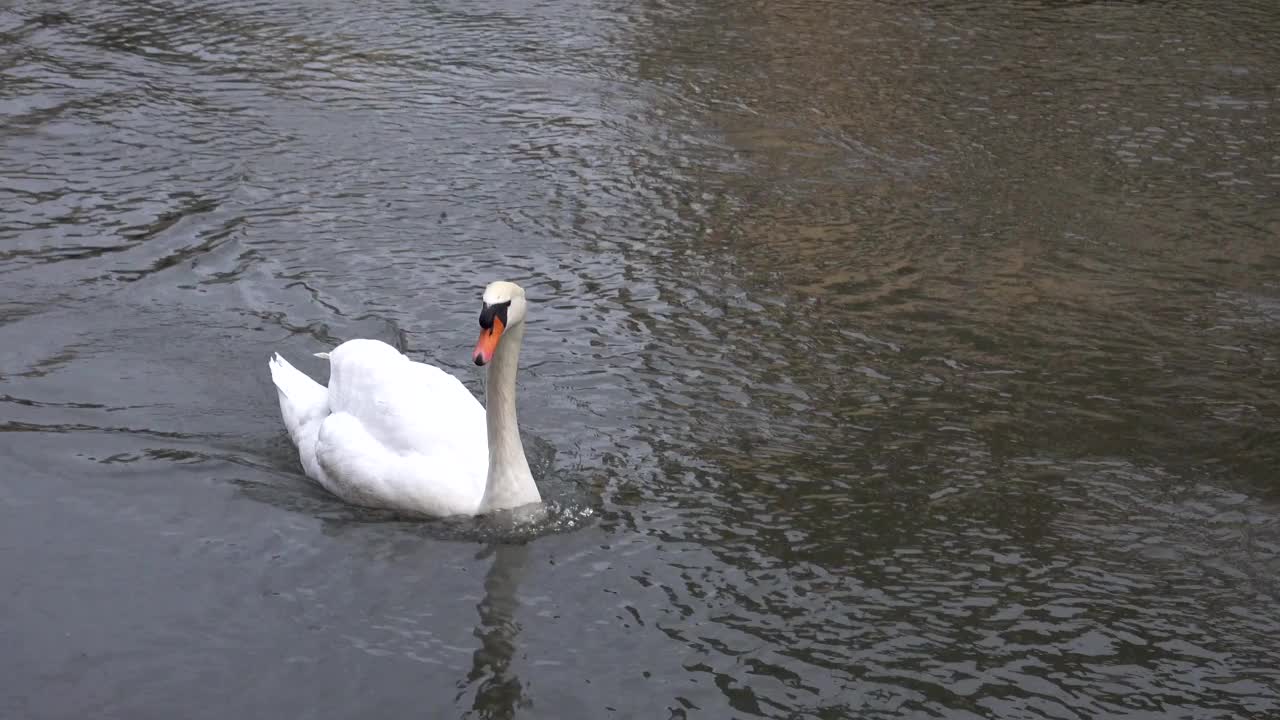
498, 692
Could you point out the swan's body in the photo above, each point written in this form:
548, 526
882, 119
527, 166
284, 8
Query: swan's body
393, 433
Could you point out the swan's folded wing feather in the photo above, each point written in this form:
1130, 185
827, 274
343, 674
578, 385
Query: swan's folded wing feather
406, 406
388, 432
360, 469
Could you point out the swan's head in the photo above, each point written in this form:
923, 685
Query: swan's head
503, 308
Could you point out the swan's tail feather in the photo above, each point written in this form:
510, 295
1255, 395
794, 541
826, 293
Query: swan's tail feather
322, 356
303, 401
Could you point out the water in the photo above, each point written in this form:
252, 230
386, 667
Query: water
885, 360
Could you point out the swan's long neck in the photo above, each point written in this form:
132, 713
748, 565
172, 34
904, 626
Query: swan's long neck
510, 484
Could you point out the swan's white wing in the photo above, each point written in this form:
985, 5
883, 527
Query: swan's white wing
404, 405
360, 469
398, 434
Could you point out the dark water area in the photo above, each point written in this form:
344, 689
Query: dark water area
884, 359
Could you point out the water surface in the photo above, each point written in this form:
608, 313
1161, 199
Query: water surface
885, 359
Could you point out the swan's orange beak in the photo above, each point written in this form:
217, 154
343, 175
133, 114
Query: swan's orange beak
487, 343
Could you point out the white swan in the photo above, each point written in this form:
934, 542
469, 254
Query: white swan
392, 433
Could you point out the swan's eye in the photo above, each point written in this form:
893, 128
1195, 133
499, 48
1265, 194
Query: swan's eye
489, 312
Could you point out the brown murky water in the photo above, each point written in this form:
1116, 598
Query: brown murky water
887, 359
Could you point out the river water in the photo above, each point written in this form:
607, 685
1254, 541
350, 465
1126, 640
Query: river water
886, 359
